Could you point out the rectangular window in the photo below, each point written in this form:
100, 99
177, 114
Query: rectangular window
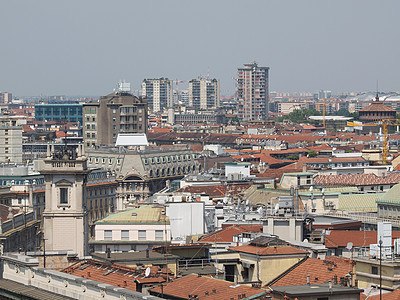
374, 270
142, 235
107, 235
63, 195
159, 235
124, 235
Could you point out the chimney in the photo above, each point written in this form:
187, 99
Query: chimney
108, 253
147, 253
308, 279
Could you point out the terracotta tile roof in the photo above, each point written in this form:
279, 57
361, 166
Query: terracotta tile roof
206, 288
340, 238
378, 106
214, 191
395, 295
114, 274
4, 211
356, 179
26, 128
275, 250
225, 235
320, 271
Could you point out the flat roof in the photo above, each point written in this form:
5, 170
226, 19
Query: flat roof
131, 139
315, 289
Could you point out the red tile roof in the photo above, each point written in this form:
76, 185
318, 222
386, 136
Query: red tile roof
273, 250
320, 271
395, 295
356, 179
214, 191
340, 238
206, 288
114, 274
377, 106
225, 235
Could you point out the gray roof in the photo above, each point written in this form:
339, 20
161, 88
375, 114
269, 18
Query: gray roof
21, 291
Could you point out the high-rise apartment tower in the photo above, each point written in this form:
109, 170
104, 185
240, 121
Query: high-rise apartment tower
158, 93
253, 92
204, 93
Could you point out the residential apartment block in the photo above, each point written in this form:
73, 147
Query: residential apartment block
5, 98
158, 92
115, 113
253, 92
10, 141
204, 93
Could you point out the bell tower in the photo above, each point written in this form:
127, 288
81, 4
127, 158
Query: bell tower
65, 214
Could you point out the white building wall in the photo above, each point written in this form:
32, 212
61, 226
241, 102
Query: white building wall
187, 218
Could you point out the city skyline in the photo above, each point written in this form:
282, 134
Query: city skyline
70, 48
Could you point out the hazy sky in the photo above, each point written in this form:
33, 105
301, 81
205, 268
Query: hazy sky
84, 47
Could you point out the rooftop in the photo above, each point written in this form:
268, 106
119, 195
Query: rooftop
145, 214
319, 271
208, 288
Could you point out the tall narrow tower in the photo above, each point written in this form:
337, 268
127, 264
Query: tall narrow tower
253, 92
65, 213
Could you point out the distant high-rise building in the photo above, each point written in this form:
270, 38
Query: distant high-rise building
158, 93
10, 141
204, 93
253, 92
5, 98
181, 97
322, 94
119, 112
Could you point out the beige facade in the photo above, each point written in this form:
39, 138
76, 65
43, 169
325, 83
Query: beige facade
141, 173
136, 229
247, 267
65, 215
204, 93
367, 273
158, 93
113, 114
10, 141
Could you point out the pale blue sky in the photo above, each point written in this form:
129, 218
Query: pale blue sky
84, 47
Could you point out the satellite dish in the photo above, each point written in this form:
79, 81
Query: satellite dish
349, 245
323, 190
247, 202
311, 188
225, 200
147, 272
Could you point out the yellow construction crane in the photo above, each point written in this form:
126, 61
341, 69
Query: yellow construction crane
385, 133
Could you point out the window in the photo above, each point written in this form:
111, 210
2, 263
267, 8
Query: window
142, 235
63, 195
159, 235
107, 235
374, 270
124, 235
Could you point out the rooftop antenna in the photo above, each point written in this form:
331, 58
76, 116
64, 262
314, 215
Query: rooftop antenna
377, 91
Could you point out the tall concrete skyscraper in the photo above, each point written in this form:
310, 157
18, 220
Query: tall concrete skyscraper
204, 93
158, 93
253, 92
